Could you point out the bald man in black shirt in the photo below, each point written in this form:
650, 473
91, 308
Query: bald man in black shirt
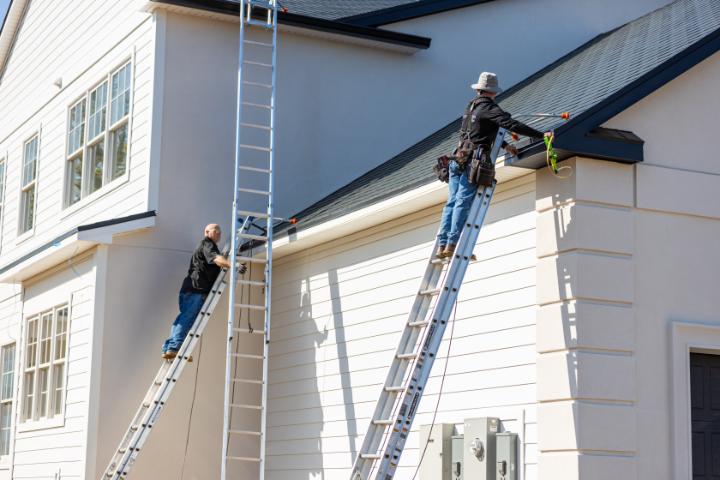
205, 265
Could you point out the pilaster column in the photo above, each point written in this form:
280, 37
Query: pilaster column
585, 323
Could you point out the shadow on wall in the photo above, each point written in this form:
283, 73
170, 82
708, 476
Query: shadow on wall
568, 311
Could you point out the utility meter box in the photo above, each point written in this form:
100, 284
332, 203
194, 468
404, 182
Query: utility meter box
506, 456
479, 452
437, 459
458, 454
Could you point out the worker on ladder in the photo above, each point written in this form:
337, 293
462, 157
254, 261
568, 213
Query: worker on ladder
205, 265
481, 121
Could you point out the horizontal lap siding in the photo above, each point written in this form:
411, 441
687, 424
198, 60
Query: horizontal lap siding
44, 452
80, 42
339, 309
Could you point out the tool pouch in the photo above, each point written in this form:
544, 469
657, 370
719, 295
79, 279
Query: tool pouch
442, 168
482, 170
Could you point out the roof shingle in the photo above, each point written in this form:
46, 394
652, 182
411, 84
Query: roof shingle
578, 82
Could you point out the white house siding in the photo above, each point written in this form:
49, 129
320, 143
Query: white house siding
80, 42
338, 311
46, 451
676, 260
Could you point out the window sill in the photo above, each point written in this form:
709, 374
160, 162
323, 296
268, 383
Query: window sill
90, 199
31, 426
23, 237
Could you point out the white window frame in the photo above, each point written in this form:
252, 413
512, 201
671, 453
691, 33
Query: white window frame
3, 188
54, 413
23, 234
5, 458
687, 338
103, 139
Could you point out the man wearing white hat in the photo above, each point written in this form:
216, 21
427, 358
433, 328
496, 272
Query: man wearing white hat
481, 121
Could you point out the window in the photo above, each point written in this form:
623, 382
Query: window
29, 184
7, 371
98, 136
44, 364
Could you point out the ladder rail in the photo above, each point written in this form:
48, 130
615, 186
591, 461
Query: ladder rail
408, 374
233, 243
269, 256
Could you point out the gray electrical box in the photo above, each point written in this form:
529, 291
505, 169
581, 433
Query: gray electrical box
458, 453
436, 462
506, 456
479, 452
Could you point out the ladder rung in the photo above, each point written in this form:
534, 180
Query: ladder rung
259, 23
245, 330
260, 44
247, 380
431, 291
248, 407
396, 388
250, 283
245, 213
406, 356
251, 259
247, 355
246, 432
252, 236
251, 190
382, 422
257, 64
420, 323
254, 169
258, 105
437, 261
257, 84
250, 307
371, 456
255, 147
255, 125
244, 459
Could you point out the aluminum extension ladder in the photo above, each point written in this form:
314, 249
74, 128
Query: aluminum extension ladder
243, 448
162, 386
410, 369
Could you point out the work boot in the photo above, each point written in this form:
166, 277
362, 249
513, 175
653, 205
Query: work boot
449, 250
440, 252
169, 355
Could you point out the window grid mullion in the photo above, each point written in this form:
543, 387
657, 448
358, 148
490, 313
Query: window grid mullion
107, 161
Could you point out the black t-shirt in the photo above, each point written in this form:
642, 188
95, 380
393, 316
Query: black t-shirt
203, 271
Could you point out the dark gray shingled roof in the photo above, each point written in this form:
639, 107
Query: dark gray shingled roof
337, 9
594, 82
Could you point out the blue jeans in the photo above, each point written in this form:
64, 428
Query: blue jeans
460, 198
190, 306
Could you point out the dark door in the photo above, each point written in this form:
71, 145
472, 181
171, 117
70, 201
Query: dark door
705, 399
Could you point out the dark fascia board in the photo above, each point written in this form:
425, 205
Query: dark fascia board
312, 23
643, 86
70, 233
408, 11
604, 144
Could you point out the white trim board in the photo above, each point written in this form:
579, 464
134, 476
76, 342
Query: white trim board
686, 338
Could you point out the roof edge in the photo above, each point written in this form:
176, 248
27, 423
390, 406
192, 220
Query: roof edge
75, 231
408, 11
311, 23
9, 29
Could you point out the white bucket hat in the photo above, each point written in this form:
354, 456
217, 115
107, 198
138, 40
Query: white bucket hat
487, 82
